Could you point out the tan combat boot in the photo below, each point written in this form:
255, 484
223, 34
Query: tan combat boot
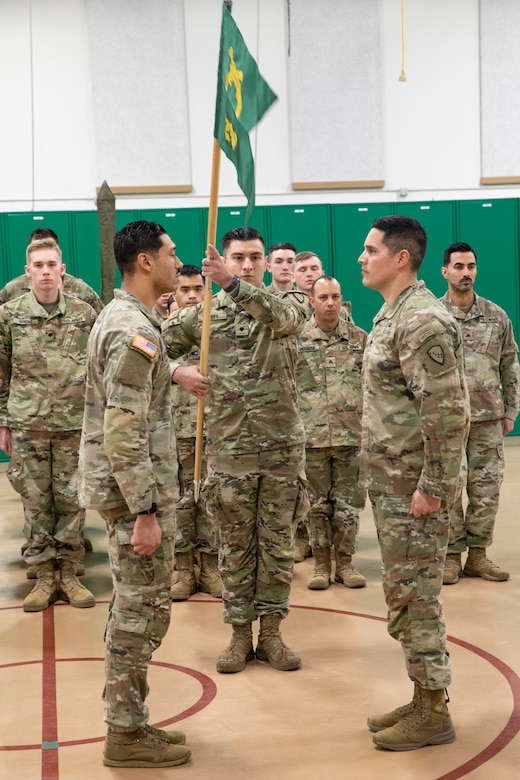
143, 748
184, 583
346, 573
429, 723
45, 591
73, 591
479, 565
320, 577
387, 719
32, 571
272, 648
239, 651
209, 578
452, 569
175, 737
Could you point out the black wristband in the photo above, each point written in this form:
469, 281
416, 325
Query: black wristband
151, 511
234, 285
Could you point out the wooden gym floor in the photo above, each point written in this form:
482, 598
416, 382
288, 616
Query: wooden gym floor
262, 724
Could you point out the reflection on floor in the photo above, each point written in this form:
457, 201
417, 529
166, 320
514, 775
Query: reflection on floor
262, 724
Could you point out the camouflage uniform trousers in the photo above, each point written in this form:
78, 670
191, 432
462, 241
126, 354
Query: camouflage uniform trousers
336, 497
44, 470
413, 552
485, 452
138, 618
195, 529
256, 499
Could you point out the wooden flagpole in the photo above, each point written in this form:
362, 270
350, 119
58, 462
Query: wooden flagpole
206, 315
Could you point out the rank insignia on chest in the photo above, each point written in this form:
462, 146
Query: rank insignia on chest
143, 345
437, 354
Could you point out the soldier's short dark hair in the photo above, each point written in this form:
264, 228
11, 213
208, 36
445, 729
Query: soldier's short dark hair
38, 233
134, 238
460, 246
240, 234
282, 245
401, 232
190, 270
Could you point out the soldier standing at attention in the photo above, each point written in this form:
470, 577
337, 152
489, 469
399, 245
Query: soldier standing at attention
72, 285
43, 343
307, 268
414, 430
328, 377
197, 535
256, 484
128, 469
493, 377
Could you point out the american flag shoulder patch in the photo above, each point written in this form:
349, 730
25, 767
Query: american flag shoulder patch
143, 345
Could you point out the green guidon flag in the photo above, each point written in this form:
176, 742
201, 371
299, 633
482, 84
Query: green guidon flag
243, 97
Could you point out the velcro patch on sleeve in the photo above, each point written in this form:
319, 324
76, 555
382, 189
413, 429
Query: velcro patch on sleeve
145, 346
136, 362
424, 332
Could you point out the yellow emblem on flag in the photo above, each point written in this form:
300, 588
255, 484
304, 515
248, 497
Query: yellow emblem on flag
230, 134
143, 345
234, 77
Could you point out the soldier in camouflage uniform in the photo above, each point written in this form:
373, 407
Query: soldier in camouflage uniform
414, 430
307, 268
128, 470
280, 264
196, 534
328, 376
70, 284
493, 376
256, 484
43, 341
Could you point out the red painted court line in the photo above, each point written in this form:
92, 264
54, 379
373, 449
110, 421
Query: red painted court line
512, 727
50, 764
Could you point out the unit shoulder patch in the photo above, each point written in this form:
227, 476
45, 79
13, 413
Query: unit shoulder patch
297, 295
437, 354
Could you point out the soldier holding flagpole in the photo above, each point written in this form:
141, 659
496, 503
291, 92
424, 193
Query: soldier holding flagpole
256, 486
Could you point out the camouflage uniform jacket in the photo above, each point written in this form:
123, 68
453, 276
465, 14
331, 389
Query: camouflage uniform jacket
415, 399
328, 377
72, 285
128, 447
252, 406
42, 363
490, 359
185, 404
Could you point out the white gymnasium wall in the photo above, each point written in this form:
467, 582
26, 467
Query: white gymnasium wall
500, 76
46, 130
430, 124
138, 76
335, 98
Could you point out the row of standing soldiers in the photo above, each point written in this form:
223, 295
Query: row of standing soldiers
293, 386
